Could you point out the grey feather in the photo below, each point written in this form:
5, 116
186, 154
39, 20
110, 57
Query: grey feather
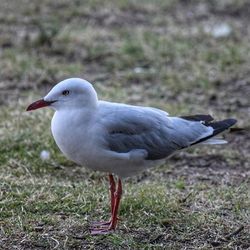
150, 129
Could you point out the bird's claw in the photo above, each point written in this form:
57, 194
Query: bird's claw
103, 227
100, 228
100, 223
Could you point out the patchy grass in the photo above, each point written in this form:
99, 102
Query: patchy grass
156, 53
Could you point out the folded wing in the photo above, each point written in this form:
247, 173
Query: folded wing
130, 128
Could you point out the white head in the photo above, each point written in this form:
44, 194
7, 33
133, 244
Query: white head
71, 93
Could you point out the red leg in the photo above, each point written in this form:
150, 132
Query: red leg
118, 195
112, 186
112, 191
108, 227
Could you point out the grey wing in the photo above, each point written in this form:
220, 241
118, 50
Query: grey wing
152, 131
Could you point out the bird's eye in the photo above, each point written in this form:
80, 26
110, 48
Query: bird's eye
65, 92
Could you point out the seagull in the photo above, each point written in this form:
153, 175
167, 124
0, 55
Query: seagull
120, 139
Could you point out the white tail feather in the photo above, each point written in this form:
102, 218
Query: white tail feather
214, 141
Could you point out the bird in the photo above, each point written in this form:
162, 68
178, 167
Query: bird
120, 139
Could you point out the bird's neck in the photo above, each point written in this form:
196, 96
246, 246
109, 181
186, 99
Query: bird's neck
76, 115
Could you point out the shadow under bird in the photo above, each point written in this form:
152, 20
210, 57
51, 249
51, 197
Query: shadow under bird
120, 139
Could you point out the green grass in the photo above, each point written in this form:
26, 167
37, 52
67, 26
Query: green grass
153, 53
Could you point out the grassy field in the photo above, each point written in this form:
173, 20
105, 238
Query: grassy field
185, 57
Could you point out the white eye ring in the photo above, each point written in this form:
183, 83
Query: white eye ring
65, 92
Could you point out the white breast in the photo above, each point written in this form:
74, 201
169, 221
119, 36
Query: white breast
72, 136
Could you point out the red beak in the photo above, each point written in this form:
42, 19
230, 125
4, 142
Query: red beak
38, 104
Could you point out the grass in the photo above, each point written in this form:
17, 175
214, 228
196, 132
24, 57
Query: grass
146, 53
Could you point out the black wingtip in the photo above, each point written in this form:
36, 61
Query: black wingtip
218, 127
222, 125
231, 121
199, 117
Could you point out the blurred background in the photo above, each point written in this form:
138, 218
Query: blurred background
186, 57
